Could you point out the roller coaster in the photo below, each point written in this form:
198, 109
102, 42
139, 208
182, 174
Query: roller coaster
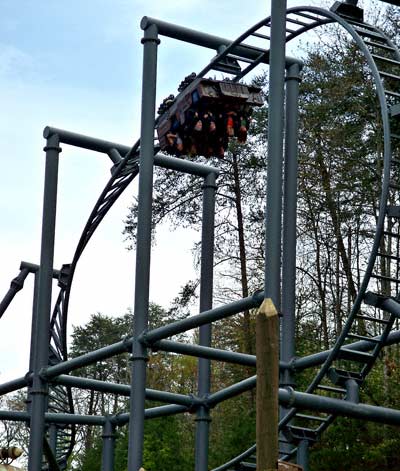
334, 391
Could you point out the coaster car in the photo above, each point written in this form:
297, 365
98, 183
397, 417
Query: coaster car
205, 116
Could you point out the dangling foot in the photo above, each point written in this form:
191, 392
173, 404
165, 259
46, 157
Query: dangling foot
242, 134
179, 144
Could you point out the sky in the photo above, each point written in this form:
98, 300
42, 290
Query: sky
76, 65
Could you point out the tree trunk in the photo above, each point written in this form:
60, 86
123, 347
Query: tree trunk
247, 335
248, 341
319, 279
332, 209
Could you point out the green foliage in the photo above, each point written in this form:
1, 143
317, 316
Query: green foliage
339, 170
166, 446
91, 459
232, 429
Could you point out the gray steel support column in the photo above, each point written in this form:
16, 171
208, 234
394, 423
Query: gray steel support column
289, 224
303, 455
143, 248
33, 335
352, 391
34, 319
53, 432
206, 297
273, 217
108, 455
41, 344
288, 321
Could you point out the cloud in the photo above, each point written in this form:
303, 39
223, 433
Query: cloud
15, 63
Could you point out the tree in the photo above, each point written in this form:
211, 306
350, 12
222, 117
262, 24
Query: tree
14, 434
165, 372
340, 171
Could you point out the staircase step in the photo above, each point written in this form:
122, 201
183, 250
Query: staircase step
374, 299
391, 93
372, 319
386, 47
385, 59
311, 417
250, 67
261, 36
392, 306
387, 75
385, 278
296, 22
308, 15
354, 355
301, 433
394, 110
226, 67
339, 377
361, 24
363, 337
393, 211
391, 234
246, 465
368, 33
284, 440
322, 387
239, 58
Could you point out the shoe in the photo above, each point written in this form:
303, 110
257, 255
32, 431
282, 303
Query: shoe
242, 134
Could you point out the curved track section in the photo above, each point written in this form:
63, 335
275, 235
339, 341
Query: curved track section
377, 303
381, 273
60, 398
375, 306
122, 175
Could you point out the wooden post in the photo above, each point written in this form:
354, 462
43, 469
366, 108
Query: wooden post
11, 453
8, 467
267, 353
283, 466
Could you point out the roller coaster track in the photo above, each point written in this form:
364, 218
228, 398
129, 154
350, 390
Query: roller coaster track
374, 308
377, 304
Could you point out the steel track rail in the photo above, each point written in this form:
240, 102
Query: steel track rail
299, 21
376, 301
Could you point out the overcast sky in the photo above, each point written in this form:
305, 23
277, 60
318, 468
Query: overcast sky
77, 65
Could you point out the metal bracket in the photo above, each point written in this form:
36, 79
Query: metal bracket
394, 110
63, 277
393, 211
373, 299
